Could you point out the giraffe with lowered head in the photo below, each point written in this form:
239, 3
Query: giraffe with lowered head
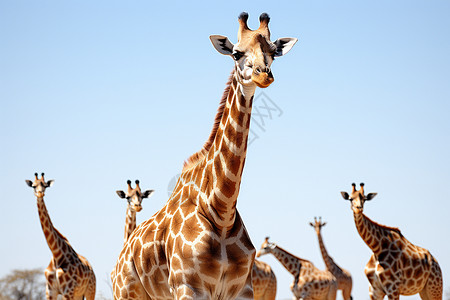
309, 283
343, 277
196, 246
396, 267
264, 281
68, 274
134, 204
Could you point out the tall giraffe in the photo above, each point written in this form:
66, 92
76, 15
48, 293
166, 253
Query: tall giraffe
196, 246
68, 274
396, 267
264, 281
343, 277
134, 204
309, 283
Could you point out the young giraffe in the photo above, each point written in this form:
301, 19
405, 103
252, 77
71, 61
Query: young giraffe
264, 281
309, 283
68, 274
197, 246
134, 198
343, 277
396, 267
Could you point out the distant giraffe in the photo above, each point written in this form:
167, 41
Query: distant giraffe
196, 246
309, 283
134, 198
68, 274
264, 281
343, 277
396, 267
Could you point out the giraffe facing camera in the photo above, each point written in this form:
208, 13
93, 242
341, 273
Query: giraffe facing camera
396, 267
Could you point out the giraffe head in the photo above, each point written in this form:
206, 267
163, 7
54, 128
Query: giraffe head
254, 52
357, 198
266, 247
134, 196
39, 185
317, 224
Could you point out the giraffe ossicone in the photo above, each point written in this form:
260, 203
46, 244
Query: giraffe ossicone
396, 267
309, 283
197, 246
68, 274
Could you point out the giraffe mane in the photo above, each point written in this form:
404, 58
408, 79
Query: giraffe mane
199, 155
395, 229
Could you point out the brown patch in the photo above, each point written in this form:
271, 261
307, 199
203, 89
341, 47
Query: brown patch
234, 136
233, 161
228, 187
191, 229
219, 206
418, 272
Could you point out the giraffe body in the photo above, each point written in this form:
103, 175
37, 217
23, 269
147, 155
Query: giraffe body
264, 281
396, 267
196, 246
68, 274
343, 277
309, 283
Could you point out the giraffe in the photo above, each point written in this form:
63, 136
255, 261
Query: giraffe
134, 198
396, 267
196, 246
68, 274
309, 283
343, 277
264, 281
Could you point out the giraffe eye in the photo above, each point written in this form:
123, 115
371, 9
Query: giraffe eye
237, 55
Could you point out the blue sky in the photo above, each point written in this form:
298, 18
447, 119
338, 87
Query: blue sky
97, 92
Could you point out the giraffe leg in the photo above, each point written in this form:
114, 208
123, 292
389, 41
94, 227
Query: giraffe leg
376, 291
433, 287
51, 291
332, 292
90, 290
346, 293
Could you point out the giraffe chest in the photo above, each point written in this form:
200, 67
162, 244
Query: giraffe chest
171, 252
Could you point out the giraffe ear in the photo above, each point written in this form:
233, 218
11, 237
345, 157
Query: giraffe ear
121, 194
345, 195
222, 44
370, 196
147, 193
50, 183
284, 45
311, 224
29, 183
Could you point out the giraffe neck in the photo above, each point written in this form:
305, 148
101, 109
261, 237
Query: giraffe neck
130, 223
218, 174
329, 263
292, 263
57, 243
369, 231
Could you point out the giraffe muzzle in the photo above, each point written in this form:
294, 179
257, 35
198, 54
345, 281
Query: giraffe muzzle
262, 79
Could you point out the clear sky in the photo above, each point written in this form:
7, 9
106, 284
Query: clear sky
97, 92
